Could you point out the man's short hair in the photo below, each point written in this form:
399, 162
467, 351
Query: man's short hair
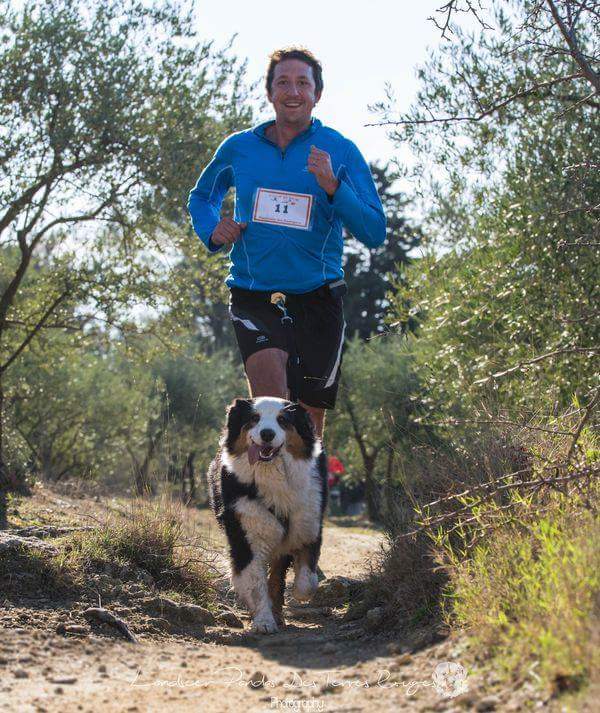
300, 53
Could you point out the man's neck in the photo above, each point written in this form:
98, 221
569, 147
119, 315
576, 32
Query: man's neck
283, 134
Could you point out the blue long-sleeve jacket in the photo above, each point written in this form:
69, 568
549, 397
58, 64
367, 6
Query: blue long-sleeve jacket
278, 256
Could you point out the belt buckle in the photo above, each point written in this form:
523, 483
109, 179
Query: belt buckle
277, 297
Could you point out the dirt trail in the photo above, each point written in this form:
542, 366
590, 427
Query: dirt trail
320, 662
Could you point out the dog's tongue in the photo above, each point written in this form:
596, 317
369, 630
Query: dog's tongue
253, 451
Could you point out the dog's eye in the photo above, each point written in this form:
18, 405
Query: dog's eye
254, 419
283, 422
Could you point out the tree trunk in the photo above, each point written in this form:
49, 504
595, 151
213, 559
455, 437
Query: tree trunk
388, 490
188, 480
371, 494
3, 468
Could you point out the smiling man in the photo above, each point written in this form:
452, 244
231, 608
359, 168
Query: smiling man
296, 183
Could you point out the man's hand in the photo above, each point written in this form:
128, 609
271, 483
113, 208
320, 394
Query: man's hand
227, 231
319, 164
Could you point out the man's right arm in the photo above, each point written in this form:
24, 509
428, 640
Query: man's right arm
206, 198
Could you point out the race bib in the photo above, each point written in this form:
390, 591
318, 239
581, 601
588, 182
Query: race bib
282, 208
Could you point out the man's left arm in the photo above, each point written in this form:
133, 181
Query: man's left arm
356, 200
352, 193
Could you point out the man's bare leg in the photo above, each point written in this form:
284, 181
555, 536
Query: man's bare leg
266, 373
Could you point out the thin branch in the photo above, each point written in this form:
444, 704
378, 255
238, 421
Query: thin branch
487, 112
584, 419
34, 331
529, 362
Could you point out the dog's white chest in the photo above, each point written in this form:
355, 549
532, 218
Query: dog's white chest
293, 494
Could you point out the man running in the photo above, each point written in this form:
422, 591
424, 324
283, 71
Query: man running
296, 183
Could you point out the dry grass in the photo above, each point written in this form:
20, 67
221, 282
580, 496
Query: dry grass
529, 592
150, 539
515, 567
144, 541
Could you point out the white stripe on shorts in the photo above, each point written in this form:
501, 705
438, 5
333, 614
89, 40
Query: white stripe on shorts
336, 366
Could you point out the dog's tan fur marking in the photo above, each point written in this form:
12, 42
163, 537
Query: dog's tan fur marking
295, 445
276, 588
241, 443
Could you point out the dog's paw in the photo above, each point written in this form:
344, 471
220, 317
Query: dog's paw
264, 624
305, 585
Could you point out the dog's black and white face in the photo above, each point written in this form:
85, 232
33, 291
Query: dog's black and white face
265, 427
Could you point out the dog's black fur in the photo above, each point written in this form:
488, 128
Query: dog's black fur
231, 492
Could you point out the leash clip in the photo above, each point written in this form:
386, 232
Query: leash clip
278, 299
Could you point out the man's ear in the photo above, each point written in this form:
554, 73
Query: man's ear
318, 96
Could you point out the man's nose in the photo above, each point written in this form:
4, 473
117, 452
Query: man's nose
267, 434
293, 90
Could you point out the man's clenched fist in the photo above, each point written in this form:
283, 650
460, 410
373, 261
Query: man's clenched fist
319, 164
227, 231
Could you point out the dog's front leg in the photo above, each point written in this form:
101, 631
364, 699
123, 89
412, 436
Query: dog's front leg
305, 568
263, 533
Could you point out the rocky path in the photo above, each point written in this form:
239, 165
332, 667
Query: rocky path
322, 661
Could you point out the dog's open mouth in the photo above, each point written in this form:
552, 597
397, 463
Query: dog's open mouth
263, 453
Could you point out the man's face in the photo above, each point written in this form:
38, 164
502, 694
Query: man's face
293, 92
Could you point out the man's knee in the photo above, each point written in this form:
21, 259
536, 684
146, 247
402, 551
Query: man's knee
266, 372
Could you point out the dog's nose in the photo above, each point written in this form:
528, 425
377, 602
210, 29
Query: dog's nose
267, 434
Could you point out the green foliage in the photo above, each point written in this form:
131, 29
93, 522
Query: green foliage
528, 593
377, 416
108, 112
367, 272
523, 274
507, 346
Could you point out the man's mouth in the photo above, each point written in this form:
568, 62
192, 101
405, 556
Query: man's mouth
294, 105
264, 453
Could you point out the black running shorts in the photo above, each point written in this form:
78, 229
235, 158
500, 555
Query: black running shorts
318, 332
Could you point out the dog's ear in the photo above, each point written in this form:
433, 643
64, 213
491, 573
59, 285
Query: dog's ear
238, 413
303, 424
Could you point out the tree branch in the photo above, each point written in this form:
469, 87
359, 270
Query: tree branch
576, 53
490, 110
34, 331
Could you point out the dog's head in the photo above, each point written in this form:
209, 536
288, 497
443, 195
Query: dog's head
262, 427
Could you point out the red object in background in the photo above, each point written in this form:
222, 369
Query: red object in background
335, 465
335, 468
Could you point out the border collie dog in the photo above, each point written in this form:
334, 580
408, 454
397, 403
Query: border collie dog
268, 489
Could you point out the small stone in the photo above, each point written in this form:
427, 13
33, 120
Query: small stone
102, 668
76, 630
257, 680
489, 703
20, 673
58, 690
197, 614
403, 659
64, 680
230, 619
375, 617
